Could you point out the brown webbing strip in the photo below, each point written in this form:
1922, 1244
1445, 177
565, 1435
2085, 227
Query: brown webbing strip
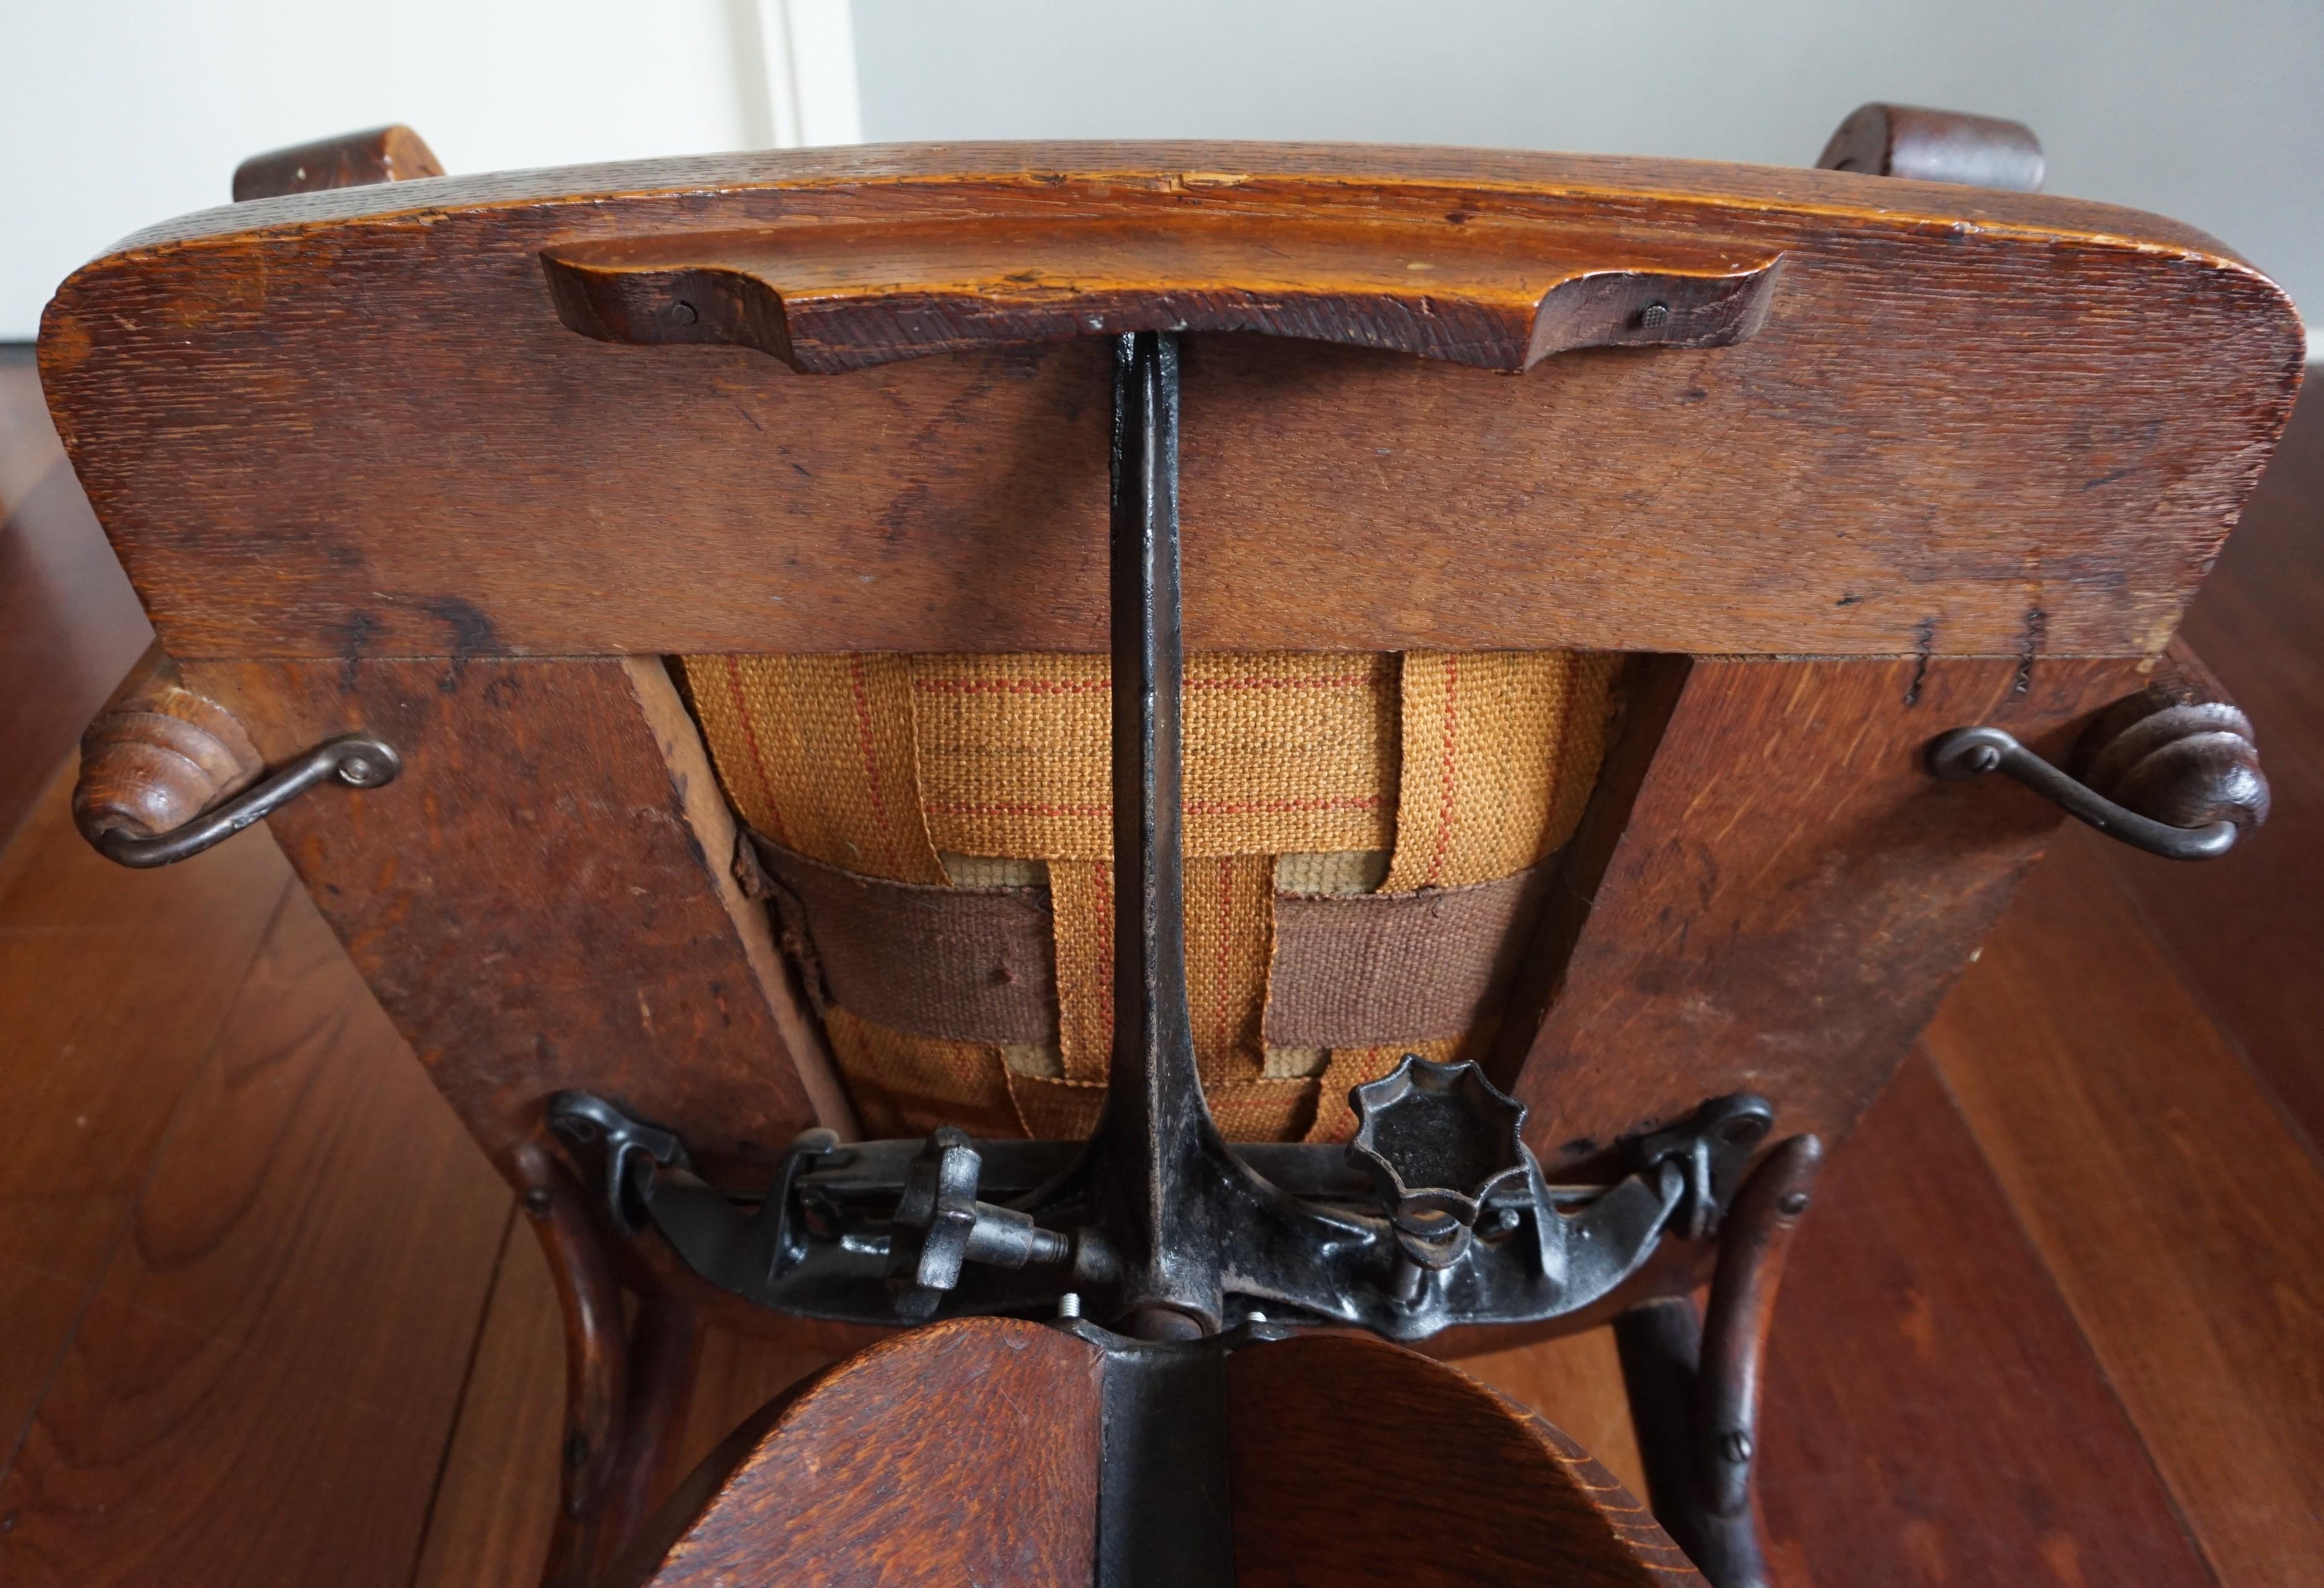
968, 964
973, 964
1360, 970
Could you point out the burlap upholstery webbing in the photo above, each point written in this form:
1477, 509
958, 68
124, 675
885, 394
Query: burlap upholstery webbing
1464, 768
1282, 752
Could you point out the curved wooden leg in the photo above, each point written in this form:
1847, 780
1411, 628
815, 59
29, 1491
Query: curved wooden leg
626, 1382
1693, 1378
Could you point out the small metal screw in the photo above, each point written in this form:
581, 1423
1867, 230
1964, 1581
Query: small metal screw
536, 1202
1069, 1306
357, 770
1984, 758
1653, 315
1254, 1317
683, 313
1792, 1203
1736, 1447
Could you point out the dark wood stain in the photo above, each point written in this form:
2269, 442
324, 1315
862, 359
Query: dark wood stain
1790, 894
1316, 1423
965, 1452
528, 901
2158, 1182
2247, 929
1932, 1413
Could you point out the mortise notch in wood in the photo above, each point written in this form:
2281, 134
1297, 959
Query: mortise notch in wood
1500, 296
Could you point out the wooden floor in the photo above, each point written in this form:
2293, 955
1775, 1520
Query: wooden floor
2058, 1319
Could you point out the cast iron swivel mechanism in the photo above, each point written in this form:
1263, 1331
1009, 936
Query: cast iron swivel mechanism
1435, 1215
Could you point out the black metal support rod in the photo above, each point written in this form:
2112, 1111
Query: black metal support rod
1156, 1123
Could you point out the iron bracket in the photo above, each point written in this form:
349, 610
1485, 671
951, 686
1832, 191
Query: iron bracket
1970, 753
1301, 1234
356, 761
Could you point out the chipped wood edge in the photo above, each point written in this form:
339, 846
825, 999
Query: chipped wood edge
712, 824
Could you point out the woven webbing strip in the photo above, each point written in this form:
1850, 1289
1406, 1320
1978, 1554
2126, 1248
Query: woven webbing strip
967, 965
817, 753
971, 964
1304, 773
1362, 969
1283, 751
1500, 751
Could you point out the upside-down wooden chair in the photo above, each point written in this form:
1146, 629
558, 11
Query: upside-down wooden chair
741, 600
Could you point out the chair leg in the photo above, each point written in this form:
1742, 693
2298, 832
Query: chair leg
1693, 1378
627, 1381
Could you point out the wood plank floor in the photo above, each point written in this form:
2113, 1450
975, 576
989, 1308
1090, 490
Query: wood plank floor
266, 1317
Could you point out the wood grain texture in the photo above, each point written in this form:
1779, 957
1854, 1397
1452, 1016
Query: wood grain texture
1973, 424
966, 1451
1932, 1413
113, 986
712, 823
1576, 1383
2179, 1214
350, 159
263, 1383
2246, 930
846, 297
495, 1499
529, 900
1791, 895
1318, 1423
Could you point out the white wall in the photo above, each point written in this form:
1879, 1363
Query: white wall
2210, 113
120, 113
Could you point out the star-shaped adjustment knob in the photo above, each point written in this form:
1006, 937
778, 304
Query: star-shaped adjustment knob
940, 1226
1438, 1140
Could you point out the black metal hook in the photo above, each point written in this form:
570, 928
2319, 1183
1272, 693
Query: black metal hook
1970, 753
356, 761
